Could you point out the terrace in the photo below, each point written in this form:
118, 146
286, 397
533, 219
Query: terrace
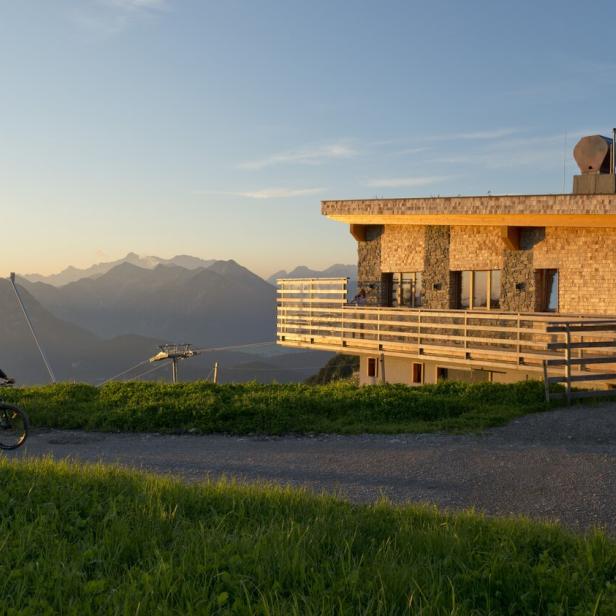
577, 350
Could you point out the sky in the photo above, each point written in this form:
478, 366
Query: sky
216, 128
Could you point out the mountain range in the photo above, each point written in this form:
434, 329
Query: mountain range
334, 271
222, 304
115, 315
72, 274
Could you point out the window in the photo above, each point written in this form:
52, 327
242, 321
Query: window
547, 290
495, 289
479, 289
442, 374
417, 374
372, 367
407, 289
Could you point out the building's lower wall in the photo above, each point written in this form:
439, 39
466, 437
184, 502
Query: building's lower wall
400, 370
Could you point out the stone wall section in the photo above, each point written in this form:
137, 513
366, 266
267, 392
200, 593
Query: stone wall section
369, 263
438, 281
476, 248
402, 248
518, 271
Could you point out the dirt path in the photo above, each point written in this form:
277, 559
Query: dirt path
557, 465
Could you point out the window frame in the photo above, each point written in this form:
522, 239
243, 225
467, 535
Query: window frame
374, 363
471, 294
397, 290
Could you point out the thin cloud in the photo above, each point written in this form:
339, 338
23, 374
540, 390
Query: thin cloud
481, 135
279, 193
408, 182
307, 156
136, 5
110, 17
263, 193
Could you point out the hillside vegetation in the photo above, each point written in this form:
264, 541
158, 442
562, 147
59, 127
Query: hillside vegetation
100, 540
338, 367
278, 409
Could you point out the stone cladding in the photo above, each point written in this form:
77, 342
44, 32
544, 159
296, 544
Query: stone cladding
518, 293
369, 263
438, 280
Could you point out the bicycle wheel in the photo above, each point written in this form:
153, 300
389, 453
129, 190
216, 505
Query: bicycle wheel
14, 426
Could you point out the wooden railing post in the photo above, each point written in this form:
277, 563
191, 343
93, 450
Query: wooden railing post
310, 295
568, 362
546, 381
519, 346
419, 332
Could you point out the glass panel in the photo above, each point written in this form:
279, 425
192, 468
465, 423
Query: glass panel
551, 287
480, 289
407, 290
418, 289
495, 288
395, 290
465, 289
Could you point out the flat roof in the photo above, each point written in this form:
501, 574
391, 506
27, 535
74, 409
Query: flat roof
570, 210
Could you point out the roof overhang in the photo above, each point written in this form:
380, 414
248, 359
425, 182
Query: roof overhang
516, 211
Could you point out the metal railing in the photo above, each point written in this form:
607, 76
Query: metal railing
315, 313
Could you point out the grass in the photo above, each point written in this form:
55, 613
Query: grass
101, 540
251, 408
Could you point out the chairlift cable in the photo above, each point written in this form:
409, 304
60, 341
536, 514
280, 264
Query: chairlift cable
161, 365
25, 313
113, 378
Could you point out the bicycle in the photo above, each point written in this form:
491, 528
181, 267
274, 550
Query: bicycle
14, 422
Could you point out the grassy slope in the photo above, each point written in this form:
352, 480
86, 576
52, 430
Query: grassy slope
277, 409
91, 540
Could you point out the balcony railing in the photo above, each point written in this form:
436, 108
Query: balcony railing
315, 313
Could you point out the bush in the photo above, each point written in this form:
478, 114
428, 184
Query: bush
277, 409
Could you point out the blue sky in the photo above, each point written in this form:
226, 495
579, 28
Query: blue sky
215, 128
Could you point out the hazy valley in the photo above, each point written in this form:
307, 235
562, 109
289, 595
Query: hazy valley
94, 323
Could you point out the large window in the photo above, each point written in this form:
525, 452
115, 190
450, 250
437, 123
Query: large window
480, 289
407, 289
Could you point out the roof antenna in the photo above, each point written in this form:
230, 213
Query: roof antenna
565, 161
23, 309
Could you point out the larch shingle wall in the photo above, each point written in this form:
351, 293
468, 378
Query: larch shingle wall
402, 248
586, 260
476, 248
493, 204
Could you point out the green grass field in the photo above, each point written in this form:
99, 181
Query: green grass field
100, 540
278, 409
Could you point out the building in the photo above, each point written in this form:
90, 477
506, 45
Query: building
496, 288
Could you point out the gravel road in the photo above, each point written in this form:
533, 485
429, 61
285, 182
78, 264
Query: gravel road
559, 465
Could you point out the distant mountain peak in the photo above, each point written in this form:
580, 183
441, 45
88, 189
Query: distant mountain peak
72, 274
338, 270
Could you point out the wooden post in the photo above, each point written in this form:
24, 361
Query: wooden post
546, 381
519, 347
174, 370
568, 362
215, 377
382, 358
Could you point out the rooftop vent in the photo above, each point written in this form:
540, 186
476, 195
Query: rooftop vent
594, 156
